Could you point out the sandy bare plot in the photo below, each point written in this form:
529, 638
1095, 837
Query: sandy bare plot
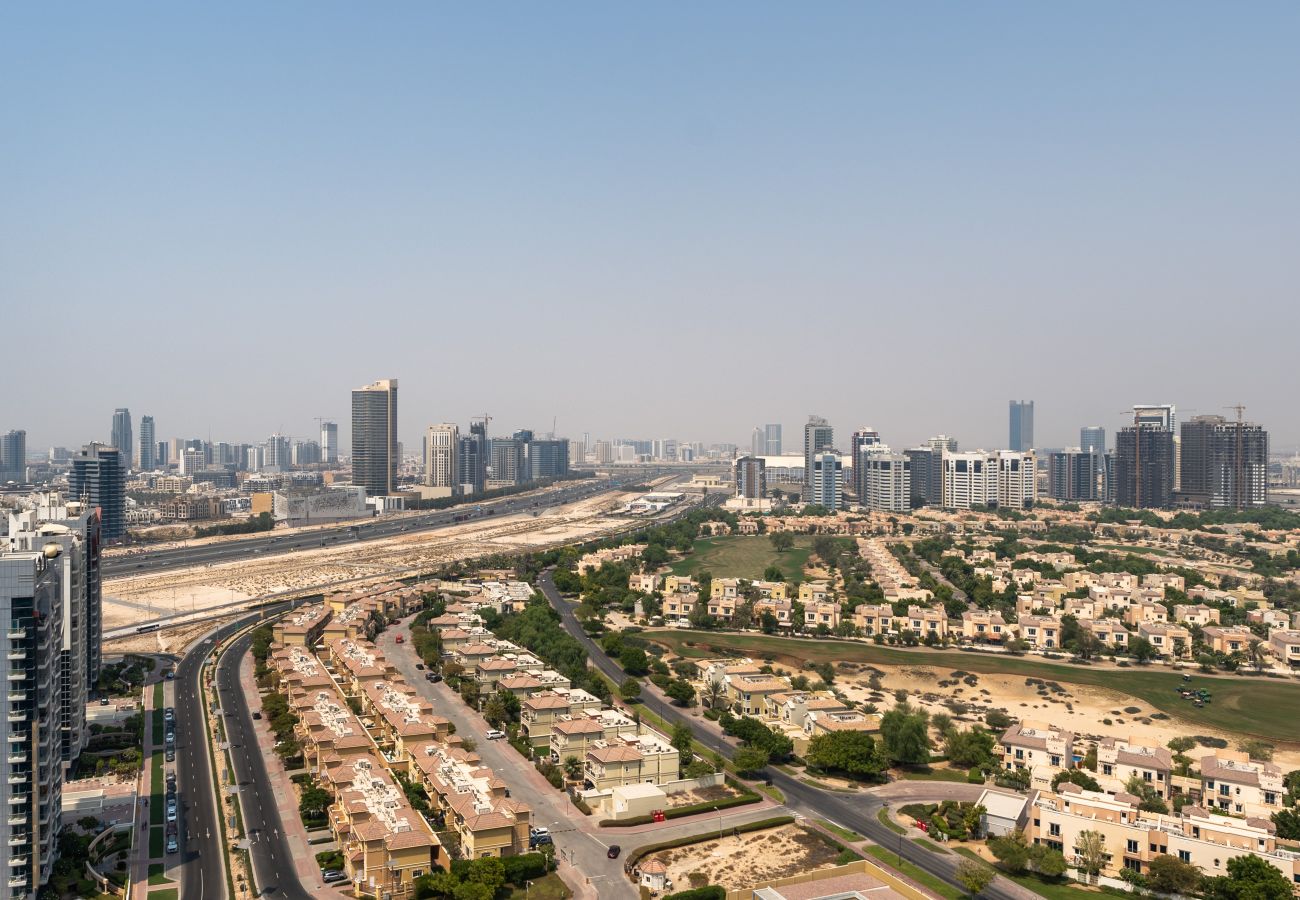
145, 597
1081, 709
737, 861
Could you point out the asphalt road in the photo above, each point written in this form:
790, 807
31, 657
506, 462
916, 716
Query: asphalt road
271, 544
549, 807
202, 875
855, 811
273, 865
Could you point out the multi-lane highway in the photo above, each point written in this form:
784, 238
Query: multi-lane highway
855, 811
202, 874
269, 544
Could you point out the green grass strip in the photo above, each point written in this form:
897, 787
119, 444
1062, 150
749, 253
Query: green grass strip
917, 874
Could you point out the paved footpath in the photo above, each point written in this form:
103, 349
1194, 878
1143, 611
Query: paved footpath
286, 801
139, 864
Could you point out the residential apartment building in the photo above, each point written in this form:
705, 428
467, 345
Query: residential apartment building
1230, 639
874, 619
1144, 467
1040, 632
374, 437
817, 437
31, 606
474, 801
1284, 645
540, 711
1224, 465
98, 480
750, 477
970, 479
303, 627
1233, 782
1017, 479
1042, 749
640, 758
441, 458
1132, 838
983, 626
1169, 640
884, 480
923, 621
1118, 761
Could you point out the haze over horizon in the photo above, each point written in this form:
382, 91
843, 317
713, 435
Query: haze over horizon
647, 221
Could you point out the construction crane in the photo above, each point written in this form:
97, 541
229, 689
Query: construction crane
485, 419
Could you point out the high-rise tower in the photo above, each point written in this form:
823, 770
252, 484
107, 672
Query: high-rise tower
374, 437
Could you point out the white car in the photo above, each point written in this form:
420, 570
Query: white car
495, 735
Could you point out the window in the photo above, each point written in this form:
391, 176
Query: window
1134, 865
1132, 846
1185, 856
1107, 769
1054, 829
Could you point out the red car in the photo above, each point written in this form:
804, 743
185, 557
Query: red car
401, 640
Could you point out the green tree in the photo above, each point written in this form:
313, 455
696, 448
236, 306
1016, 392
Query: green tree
1047, 862
681, 739
1091, 851
970, 749
634, 661
1011, 851
630, 689
1249, 878
1149, 798
906, 735
773, 573
1288, 824
1140, 649
854, 753
973, 876
1075, 776
782, 540
749, 760
1170, 875
681, 692
572, 768
314, 802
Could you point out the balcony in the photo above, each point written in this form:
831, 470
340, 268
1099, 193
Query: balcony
17, 675
15, 821
18, 881
17, 758
16, 634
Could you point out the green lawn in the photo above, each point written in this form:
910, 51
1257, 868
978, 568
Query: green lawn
930, 845
840, 832
548, 887
157, 807
919, 875
1064, 890
156, 875
157, 841
888, 822
169, 894
158, 700
157, 718
929, 774
1258, 707
745, 556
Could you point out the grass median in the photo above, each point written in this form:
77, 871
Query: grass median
915, 873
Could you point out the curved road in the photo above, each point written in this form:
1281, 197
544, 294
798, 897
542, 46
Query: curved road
855, 811
202, 873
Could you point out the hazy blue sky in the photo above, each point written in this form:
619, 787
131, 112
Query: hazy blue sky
668, 219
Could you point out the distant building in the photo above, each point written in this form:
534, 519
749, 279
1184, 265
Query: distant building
147, 455
827, 485
13, 456
329, 442
277, 454
1072, 475
1017, 479
1092, 439
817, 436
548, 458
969, 479
441, 457
374, 437
122, 437
1021, 420
1144, 467
885, 481
771, 440
604, 452
305, 453
317, 507
1224, 464
98, 479
751, 477
471, 461
508, 462
925, 489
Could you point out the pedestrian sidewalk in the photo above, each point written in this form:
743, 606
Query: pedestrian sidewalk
139, 864
286, 803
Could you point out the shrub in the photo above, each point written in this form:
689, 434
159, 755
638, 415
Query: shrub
712, 892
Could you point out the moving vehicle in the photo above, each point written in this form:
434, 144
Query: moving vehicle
614, 851
103, 701
494, 735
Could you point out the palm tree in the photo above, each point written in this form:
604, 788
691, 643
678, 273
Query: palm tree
714, 693
1255, 652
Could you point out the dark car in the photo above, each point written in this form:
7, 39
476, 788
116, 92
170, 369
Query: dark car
614, 851
420, 666
257, 715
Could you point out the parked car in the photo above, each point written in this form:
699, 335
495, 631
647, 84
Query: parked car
103, 701
333, 876
419, 666
494, 735
169, 715
257, 715
539, 840
171, 755
435, 677
172, 845
613, 851
171, 737
401, 640
172, 810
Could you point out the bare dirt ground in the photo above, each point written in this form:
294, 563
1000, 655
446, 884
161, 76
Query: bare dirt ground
735, 862
139, 598
700, 795
1081, 709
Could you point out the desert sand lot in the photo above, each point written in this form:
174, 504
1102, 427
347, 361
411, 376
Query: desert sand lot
144, 597
745, 859
1079, 708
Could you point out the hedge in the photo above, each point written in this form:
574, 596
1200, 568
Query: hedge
711, 892
641, 852
707, 806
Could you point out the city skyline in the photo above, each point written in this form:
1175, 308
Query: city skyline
955, 184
